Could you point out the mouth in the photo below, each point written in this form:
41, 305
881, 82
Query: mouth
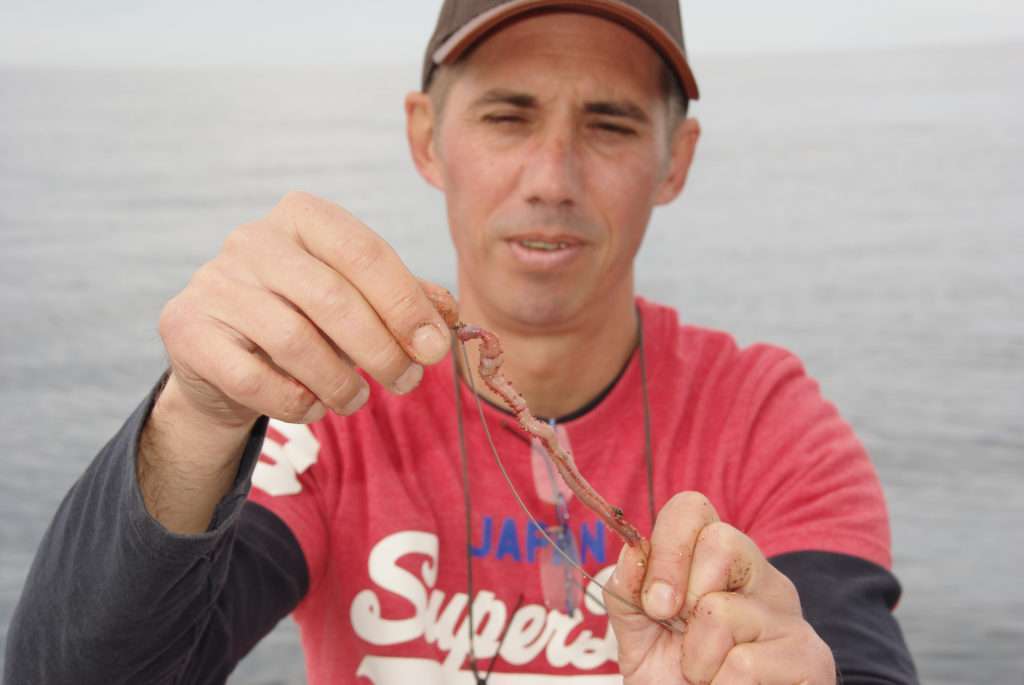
541, 252
545, 245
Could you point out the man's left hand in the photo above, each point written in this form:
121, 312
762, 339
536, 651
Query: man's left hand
742, 617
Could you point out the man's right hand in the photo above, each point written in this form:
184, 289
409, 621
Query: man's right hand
277, 324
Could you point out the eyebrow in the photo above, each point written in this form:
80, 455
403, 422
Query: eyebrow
500, 96
613, 108
623, 109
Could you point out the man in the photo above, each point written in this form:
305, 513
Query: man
553, 129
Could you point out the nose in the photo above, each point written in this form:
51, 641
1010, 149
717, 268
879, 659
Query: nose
551, 174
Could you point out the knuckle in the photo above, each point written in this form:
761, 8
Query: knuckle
688, 509
171, 322
741, 664
720, 537
292, 340
208, 280
294, 199
388, 361
713, 604
179, 326
244, 384
342, 391
295, 402
787, 589
298, 211
724, 549
338, 309
404, 310
364, 255
689, 500
335, 300
681, 520
239, 240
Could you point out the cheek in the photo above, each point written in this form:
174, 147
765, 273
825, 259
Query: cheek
628, 191
471, 177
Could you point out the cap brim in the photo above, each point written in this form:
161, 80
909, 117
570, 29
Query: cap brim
471, 32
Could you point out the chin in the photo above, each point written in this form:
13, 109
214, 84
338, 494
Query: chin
544, 310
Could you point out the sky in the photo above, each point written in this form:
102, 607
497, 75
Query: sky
261, 32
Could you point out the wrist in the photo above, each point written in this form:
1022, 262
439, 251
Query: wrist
212, 438
186, 461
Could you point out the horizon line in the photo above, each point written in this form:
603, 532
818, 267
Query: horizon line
995, 42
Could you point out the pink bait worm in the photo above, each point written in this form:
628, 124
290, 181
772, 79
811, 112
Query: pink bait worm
489, 368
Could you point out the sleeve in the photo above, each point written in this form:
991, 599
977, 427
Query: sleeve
813, 503
849, 601
298, 479
113, 597
806, 482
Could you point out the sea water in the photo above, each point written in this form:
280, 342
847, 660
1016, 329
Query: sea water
863, 209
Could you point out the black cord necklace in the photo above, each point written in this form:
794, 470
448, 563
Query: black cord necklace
468, 500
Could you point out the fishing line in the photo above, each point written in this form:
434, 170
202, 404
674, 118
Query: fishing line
675, 625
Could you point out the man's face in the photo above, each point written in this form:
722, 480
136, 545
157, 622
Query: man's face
552, 149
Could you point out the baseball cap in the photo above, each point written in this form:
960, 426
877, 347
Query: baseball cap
463, 23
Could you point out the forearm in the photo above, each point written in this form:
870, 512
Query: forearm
186, 462
112, 596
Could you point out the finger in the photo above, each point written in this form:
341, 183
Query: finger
239, 370
349, 247
292, 343
442, 301
720, 621
341, 312
778, 662
672, 543
750, 663
635, 633
626, 583
727, 560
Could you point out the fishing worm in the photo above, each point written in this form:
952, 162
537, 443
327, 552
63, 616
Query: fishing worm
489, 369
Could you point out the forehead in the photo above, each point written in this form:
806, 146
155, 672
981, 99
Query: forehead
566, 50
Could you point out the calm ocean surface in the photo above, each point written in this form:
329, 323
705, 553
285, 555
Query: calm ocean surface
863, 209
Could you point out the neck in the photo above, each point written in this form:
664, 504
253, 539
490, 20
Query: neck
559, 369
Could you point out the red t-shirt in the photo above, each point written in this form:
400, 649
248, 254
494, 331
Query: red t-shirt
376, 503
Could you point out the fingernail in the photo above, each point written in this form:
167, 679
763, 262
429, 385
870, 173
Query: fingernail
315, 413
429, 344
660, 600
358, 401
409, 379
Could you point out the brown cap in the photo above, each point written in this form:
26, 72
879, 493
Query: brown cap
462, 23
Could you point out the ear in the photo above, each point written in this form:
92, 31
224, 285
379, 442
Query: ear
684, 146
419, 129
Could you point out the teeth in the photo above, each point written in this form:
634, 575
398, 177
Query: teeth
543, 245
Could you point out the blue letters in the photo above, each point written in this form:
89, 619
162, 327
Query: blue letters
534, 541
508, 543
516, 543
592, 541
485, 546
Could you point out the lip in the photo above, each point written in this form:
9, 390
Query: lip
568, 250
540, 236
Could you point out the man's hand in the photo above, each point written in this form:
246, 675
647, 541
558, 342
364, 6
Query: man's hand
277, 324
742, 617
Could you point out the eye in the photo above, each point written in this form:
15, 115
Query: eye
612, 127
504, 118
